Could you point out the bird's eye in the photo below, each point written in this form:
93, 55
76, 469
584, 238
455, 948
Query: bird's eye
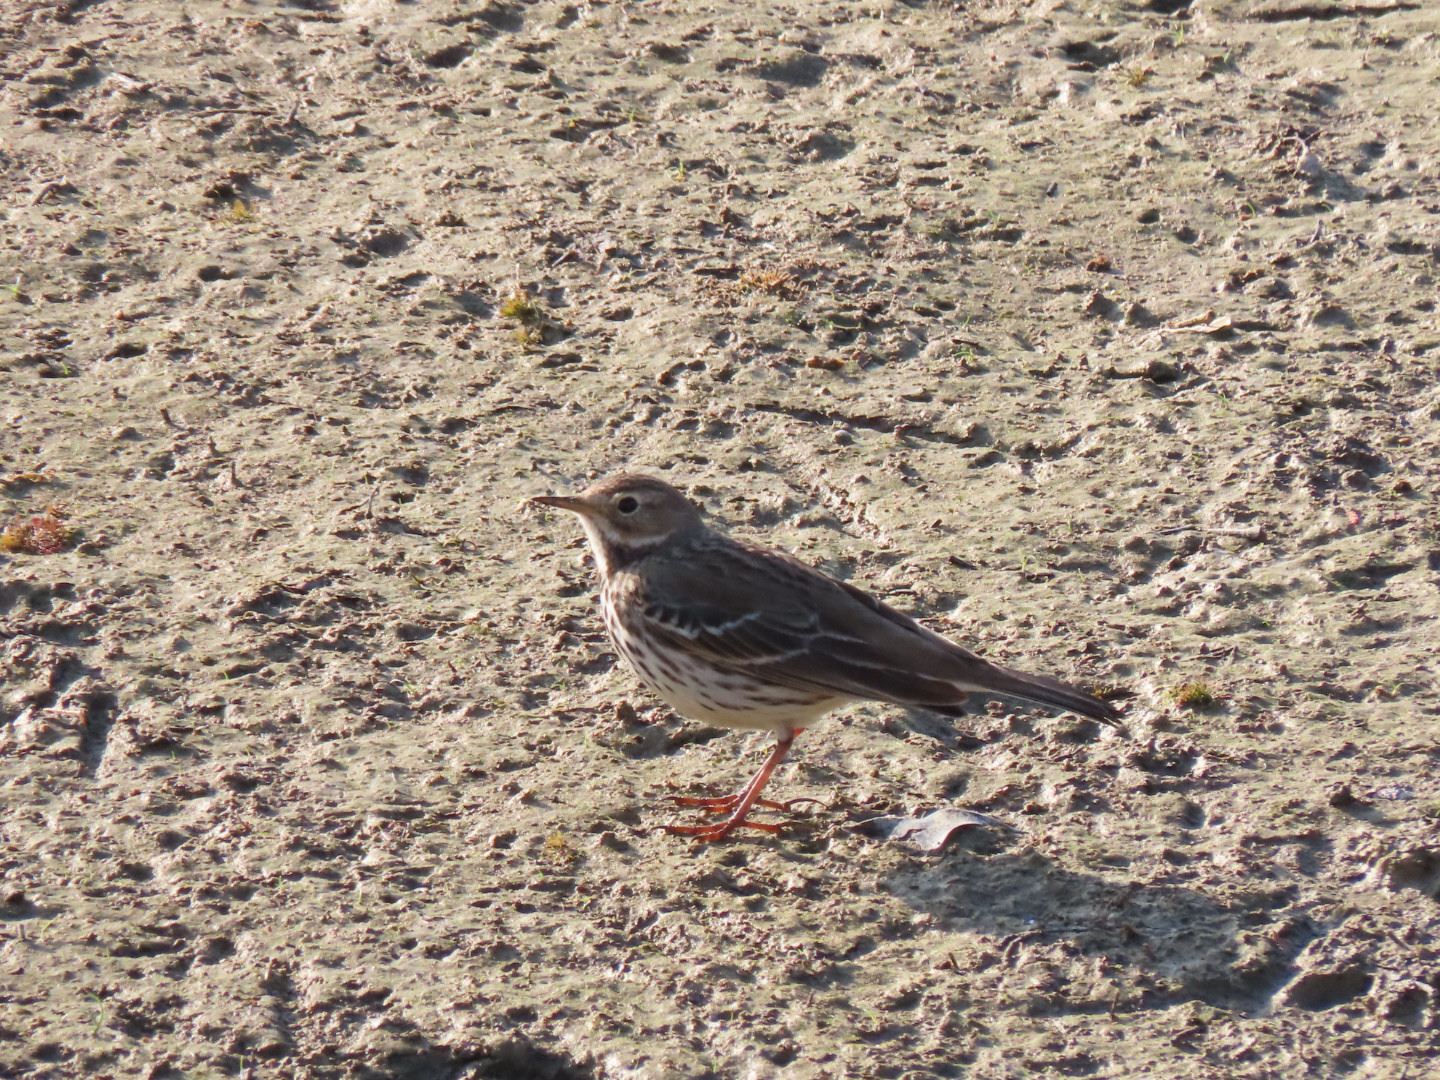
628, 505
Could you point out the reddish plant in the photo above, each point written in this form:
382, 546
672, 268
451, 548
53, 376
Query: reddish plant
39, 534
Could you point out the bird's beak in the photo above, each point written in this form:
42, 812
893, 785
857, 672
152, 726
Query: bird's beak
573, 503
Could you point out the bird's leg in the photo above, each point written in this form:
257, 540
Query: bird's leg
742, 803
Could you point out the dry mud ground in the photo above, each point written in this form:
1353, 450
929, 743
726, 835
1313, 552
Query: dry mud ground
1103, 336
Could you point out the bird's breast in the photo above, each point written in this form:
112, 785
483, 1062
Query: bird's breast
699, 689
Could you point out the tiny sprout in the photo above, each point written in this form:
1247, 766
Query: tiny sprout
772, 282
1138, 76
528, 312
1192, 695
240, 213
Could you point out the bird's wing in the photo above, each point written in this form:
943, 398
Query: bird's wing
759, 612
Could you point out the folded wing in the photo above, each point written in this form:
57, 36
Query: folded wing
771, 616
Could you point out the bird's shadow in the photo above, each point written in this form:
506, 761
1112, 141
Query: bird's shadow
1188, 946
962, 730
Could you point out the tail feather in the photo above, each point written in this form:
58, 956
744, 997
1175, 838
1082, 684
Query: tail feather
1044, 690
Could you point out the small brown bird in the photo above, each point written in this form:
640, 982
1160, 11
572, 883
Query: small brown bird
738, 635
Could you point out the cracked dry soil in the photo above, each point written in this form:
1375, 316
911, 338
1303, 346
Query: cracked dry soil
1101, 336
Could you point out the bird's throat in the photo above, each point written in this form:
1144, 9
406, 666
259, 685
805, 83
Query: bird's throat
614, 553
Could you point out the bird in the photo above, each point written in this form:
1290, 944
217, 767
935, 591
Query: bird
742, 636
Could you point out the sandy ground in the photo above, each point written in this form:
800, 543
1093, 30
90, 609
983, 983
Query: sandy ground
1103, 337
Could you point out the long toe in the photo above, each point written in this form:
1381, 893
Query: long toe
789, 807
714, 806
720, 830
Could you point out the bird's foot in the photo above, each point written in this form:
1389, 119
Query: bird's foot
730, 802
720, 830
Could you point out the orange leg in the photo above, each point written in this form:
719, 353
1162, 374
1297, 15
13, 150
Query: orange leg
742, 803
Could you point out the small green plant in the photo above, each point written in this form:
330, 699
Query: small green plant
528, 313
1137, 76
1109, 691
522, 307
1195, 696
558, 849
772, 282
239, 213
101, 1013
1214, 65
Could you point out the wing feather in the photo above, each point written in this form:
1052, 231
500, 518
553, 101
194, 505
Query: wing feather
755, 611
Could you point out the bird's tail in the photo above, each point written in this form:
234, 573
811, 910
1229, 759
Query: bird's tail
1047, 691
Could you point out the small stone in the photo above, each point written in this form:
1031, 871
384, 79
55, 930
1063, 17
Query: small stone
1153, 369
1140, 315
1341, 797
668, 52
1099, 305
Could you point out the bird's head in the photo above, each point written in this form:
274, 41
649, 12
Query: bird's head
628, 516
